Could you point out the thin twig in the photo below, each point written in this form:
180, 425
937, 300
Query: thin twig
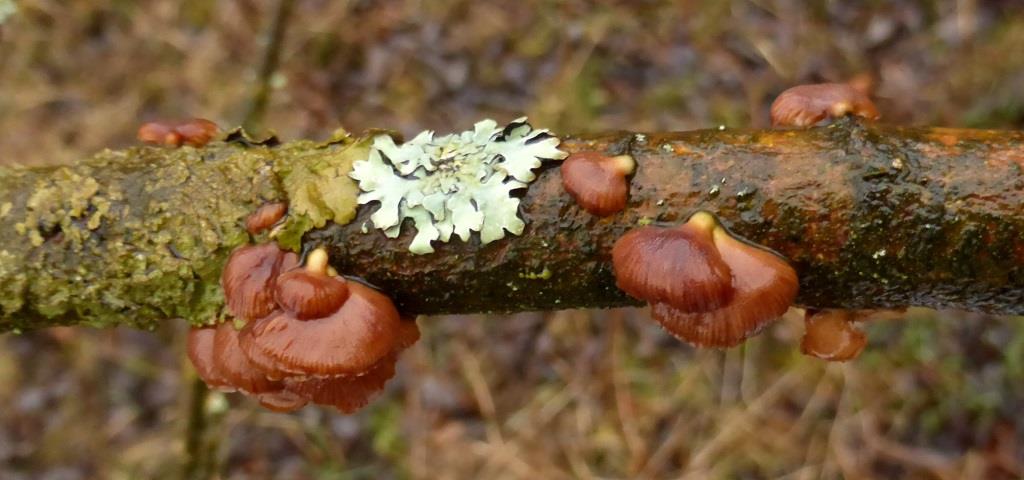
197, 454
271, 59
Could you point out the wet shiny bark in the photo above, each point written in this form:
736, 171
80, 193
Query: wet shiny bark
870, 217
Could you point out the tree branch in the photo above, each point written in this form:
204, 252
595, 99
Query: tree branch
870, 216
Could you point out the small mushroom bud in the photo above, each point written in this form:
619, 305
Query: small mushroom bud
158, 133
346, 341
598, 182
195, 132
704, 308
806, 105
249, 277
831, 335
265, 217
310, 292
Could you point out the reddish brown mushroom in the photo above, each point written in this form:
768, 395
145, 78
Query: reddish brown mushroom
831, 335
219, 362
231, 364
678, 266
249, 277
265, 217
806, 105
200, 353
195, 132
361, 329
311, 292
704, 286
311, 335
598, 182
349, 393
159, 133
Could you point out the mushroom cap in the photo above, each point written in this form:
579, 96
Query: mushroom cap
197, 131
309, 294
265, 217
346, 342
408, 333
200, 353
831, 335
345, 392
231, 364
765, 286
806, 105
349, 393
598, 182
677, 266
248, 279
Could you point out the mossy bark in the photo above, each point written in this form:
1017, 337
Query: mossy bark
870, 216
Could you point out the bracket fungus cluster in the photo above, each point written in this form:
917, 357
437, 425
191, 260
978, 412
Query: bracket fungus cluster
195, 132
453, 184
309, 335
598, 182
704, 285
807, 105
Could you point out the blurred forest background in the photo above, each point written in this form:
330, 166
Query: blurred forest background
572, 394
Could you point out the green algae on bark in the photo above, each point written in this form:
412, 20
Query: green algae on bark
870, 216
137, 236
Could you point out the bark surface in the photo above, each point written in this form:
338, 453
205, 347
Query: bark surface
870, 216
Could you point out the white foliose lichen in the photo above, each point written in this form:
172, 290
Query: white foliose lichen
457, 183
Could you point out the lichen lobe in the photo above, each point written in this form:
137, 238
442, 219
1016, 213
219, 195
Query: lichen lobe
453, 184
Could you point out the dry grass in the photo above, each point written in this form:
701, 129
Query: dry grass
601, 394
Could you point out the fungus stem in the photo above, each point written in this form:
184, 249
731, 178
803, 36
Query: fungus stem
316, 262
624, 164
704, 221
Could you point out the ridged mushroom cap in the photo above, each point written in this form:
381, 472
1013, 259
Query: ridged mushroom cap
349, 393
831, 335
764, 286
598, 182
200, 353
248, 279
806, 105
346, 342
309, 292
677, 266
232, 365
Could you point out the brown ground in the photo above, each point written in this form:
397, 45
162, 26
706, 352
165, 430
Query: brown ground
571, 394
